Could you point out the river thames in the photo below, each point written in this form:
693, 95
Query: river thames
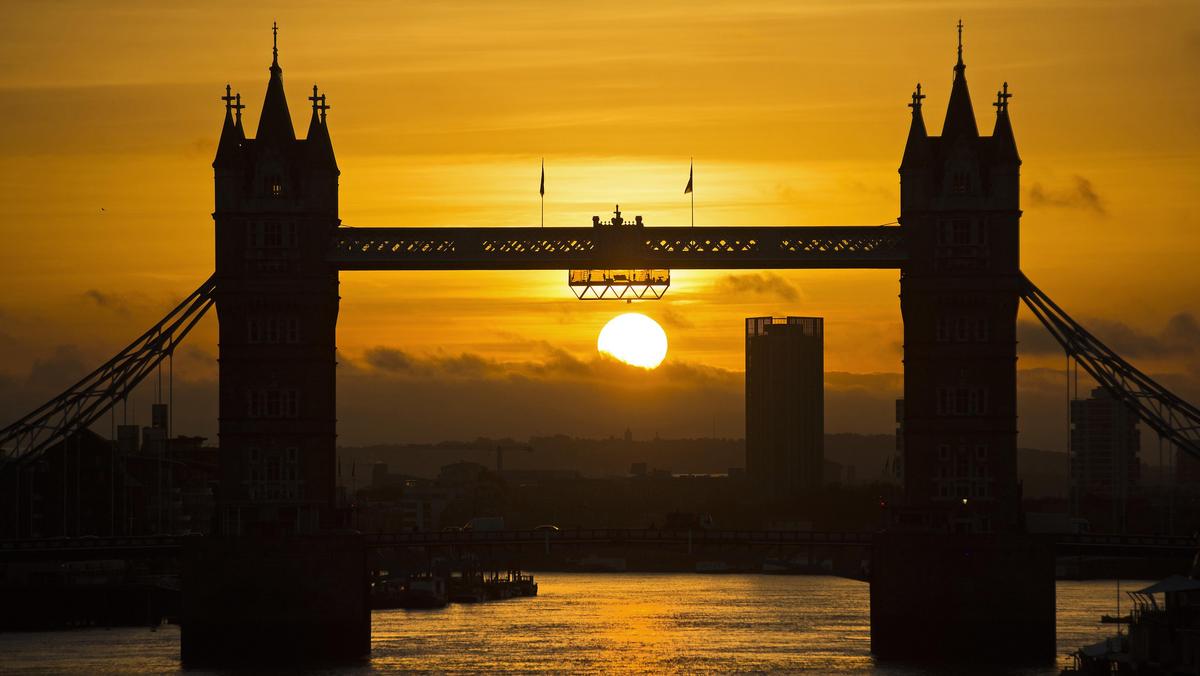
599, 623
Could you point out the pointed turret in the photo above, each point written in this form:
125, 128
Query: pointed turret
230, 143
1003, 141
237, 120
960, 117
275, 123
916, 150
320, 147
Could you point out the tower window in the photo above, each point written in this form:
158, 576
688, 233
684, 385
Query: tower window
961, 401
273, 329
274, 186
981, 329
274, 403
943, 329
960, 183
961, 329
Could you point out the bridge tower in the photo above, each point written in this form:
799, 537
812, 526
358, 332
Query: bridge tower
959, 292
956, 577
277, 305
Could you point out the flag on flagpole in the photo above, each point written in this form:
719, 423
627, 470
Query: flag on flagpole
689, 185
542, 185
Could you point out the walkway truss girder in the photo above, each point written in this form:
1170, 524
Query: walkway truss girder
590, 248
84, 402
1174, 419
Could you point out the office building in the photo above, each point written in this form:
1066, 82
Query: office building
785, 404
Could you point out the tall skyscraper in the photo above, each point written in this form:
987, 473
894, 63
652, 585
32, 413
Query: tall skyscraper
1104, 451
785, 403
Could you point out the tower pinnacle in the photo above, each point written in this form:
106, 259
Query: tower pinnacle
275, 123
1002, 98
916, 99
960, 61
228, 99
915, 150
319, 105
960, 118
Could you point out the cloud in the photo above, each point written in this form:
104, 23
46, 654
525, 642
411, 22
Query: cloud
59, 370
673, 317
388, 359
1180, 337
386, 395
1081, 195
547, 363
108, 301
759, 283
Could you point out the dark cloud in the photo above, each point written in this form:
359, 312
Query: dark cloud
1035, 339
57, 371
108, 301
670, 316
391, 396
388, 359
760, 283
1180, 337
196, 355
1080, 195
873, 189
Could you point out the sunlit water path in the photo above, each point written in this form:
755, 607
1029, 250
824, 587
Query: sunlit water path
627, 623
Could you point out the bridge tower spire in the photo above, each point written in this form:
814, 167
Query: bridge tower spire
960, 116
275, 122
960, 210
277, 305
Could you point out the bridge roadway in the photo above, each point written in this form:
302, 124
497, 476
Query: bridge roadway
89, 547
627, 246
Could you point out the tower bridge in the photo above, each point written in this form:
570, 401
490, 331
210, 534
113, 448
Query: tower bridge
280, 247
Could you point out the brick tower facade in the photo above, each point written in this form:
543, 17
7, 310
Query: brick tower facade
277, 305
959, 292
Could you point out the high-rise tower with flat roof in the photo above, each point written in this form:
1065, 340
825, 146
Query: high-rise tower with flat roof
785, 403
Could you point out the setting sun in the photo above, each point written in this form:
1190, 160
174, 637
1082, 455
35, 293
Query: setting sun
634, 339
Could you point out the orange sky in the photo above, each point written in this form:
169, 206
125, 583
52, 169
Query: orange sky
795, 113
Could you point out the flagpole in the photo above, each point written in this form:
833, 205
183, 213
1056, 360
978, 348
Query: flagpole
691, 175
542, 192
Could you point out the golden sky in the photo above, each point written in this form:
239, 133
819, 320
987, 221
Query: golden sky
794, 111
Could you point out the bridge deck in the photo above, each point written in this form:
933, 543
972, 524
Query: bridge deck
618, 247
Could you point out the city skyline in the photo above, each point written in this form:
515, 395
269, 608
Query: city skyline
815, 144
382, 275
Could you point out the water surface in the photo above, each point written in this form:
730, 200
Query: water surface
610, 623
